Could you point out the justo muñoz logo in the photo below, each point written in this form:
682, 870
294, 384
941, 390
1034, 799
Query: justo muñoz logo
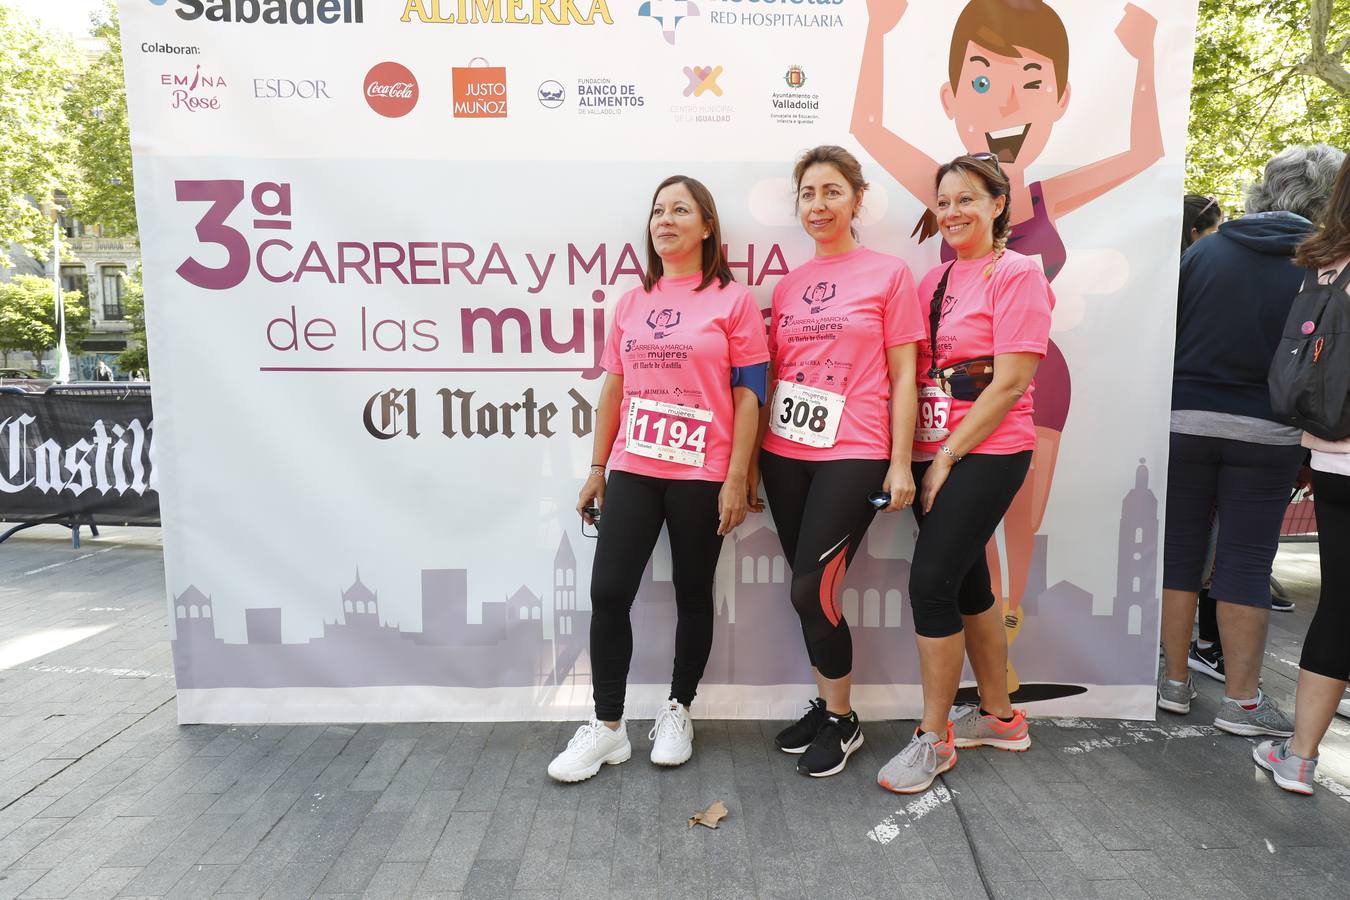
480, 90
391, 90
194, 92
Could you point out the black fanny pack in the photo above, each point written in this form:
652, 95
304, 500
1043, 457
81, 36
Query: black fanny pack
964, 380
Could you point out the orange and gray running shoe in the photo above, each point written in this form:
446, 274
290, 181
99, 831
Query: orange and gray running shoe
914, 768
971, 728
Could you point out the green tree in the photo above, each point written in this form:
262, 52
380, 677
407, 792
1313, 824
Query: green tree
97, 110
134, 358
28, 317
36, 149
1261, 84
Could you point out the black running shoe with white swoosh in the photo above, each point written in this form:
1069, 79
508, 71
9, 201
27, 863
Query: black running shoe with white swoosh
798, 736
838, 737
1206, 661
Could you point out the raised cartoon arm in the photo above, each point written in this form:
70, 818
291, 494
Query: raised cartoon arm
1065, 193
907, 164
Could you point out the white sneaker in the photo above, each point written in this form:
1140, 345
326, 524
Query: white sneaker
672, 736
1343, 708
594, 744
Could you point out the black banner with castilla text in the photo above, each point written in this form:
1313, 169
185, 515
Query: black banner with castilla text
86, 458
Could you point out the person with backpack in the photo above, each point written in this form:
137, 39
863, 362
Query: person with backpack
1317, 325
1229, 451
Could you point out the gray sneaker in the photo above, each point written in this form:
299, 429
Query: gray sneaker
913, 769
1175, 696
972, 728
1265, 718
1293, 773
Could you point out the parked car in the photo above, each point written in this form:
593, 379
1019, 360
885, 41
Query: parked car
24, 378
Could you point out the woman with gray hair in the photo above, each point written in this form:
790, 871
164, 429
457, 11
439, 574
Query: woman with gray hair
1229, 454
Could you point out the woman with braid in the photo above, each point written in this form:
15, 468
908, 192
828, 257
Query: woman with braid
988, 327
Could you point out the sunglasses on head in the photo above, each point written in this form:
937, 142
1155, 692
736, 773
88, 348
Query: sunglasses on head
987, 157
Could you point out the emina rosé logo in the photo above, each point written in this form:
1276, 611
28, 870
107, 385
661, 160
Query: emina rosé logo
194, 92
391, 90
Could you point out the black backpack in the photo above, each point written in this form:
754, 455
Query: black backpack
1310, 375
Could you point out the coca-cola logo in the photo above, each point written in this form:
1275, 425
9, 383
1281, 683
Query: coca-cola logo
391, 89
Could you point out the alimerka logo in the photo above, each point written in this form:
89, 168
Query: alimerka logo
270, 12
511, 12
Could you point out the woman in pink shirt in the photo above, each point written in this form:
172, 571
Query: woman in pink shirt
988, 327
1324, 667
843, 339
686, 368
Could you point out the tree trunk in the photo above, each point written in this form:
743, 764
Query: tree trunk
1326, 64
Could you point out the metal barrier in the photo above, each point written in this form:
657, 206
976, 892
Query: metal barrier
101, 390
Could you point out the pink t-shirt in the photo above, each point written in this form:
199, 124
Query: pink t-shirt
1008, 312
834, 318
678, 346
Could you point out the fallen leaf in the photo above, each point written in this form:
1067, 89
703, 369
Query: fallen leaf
710, 816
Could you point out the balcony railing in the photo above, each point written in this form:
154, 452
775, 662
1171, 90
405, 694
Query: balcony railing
90, 244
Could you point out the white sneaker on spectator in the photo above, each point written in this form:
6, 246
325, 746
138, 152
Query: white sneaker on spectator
672, 736
595, 744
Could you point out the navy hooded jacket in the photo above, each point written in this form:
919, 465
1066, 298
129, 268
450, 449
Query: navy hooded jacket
1235, 292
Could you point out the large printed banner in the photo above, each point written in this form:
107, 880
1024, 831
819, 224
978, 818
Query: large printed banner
80, 457
383, 239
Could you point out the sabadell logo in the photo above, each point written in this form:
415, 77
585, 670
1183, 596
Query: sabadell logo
391, 90
269, 12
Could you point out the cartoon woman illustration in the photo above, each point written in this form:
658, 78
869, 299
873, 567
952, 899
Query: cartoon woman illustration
1007, 85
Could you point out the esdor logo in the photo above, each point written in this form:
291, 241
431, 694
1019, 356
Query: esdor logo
391, 90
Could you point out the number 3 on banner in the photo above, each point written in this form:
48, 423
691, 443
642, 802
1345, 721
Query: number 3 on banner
223, 196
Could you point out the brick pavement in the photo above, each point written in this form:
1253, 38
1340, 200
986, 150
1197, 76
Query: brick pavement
102, 794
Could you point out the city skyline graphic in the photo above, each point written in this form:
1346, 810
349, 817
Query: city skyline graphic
539, 638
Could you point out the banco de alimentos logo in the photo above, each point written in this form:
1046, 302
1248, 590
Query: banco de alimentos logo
269, 12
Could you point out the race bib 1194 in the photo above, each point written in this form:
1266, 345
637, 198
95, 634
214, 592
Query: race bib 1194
667, 431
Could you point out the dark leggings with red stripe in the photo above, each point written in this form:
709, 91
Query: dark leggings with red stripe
821, 512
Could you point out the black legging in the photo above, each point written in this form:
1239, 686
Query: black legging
1326, 649
634, 510
821, 512
950, 577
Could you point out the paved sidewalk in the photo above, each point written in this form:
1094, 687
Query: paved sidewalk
102, 794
